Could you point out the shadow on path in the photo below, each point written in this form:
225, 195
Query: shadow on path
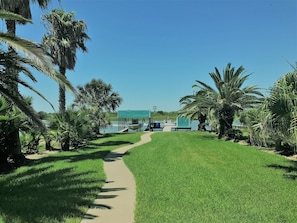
116, 202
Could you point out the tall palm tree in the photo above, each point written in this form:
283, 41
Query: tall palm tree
64, 36
228, 97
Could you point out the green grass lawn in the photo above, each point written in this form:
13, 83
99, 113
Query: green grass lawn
193, 177
58, 188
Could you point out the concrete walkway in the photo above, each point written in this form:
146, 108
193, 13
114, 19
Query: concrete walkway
116, 201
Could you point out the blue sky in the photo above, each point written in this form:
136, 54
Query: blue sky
152, 51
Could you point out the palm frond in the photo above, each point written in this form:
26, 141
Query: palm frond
18, 101
13, 16
204, 85
36, 57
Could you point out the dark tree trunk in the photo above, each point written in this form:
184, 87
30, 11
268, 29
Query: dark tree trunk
221, 128
65, 145
48, 145
226, 117
97, 130
65, 141
97, 126
62, 95
202, 125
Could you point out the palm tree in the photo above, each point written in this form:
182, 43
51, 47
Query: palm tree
22, 8
97, 97
11, 63
64, 36
282, 104
228, 97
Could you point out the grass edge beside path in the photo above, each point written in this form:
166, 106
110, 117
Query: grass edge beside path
60, 187
193, 177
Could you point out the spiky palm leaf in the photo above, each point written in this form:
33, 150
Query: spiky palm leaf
36, 57
12, 16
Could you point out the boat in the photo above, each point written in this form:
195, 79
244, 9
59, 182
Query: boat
135, 126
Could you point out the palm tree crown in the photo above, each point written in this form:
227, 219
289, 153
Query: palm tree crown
64, 35
228, 97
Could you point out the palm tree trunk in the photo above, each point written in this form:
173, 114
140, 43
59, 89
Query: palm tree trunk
62, 95
201, 125
226, 117
65, 141
12, 141
221, 128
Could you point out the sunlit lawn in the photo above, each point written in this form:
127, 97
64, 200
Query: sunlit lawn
58, 188
193, 177
180, 176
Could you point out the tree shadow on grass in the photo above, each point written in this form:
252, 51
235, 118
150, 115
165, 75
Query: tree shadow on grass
290, 170
75, 157
110, 143
45, 194
111, 134
210, 136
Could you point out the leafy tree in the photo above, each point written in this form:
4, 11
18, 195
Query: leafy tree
64, 36
97, 97
228, 97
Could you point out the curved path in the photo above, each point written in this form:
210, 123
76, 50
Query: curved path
116, 201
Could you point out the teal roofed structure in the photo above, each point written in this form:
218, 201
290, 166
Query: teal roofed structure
132, 114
